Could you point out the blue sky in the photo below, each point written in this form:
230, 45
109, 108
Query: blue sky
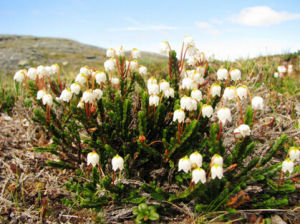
226, 29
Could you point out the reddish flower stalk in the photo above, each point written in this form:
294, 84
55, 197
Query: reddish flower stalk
240, 106
100, 171
118, 65
182, 62
220, 131
114, 178
181, 53
128, 67
200, 112
178, 132
226, 82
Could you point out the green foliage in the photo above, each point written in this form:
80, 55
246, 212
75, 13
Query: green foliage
145, 213
7, 100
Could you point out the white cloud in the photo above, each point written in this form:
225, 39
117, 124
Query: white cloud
207, 28
231, 50
145, 28
263, 16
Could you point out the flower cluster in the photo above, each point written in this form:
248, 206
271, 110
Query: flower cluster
194, 163
283, 70
155, 89
293, 156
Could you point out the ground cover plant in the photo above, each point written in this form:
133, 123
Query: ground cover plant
157, 144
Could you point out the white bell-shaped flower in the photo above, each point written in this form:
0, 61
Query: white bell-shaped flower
54, 69
242, 92
41, 71
185, 164
164, 48
198, 174
198, 78
229, 93
281, 69
47, 100
294, 153
287, 165
97, 94
110, 53
153, 100
48, 71
207, 110
66, 95
290, 69
81, 78
164, 85
243, 130
93, 158
85, 70
109, 65
237, 133
88, 96
193, 106
153, 89
257, 103
179, 115
188, 41
40, 94
120, 52
75, 88
115, 81
117, 163
276, 75
224, 115
217, 159
143, 70
196, 159
185, 103
100, 77
32, 73
20, 75
169, 93
235, 74
187, 83
136, 53
133, 65
215, 90
222, 74
216, 171
151, 81
196, 95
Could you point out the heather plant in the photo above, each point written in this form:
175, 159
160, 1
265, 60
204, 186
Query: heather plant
133, 140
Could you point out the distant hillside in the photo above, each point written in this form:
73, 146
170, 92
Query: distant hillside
24, 51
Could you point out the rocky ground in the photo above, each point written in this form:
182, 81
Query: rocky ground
17, 52
21, 51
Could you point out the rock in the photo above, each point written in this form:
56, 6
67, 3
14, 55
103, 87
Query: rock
90, 57
277, 220
23, 62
